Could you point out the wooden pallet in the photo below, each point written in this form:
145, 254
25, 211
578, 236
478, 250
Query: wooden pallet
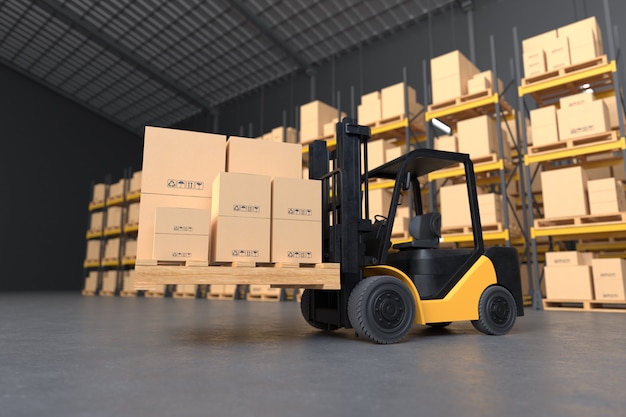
464, 99
465, 230
149, 273
106, 293
616, 306
88, 292
586, 220
561, 72
589, 140
129, 293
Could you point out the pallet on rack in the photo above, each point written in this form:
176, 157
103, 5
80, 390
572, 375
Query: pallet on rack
577, 143
568, 70
586, 220
88, 292
129, 293
612, 306
105, 293
468, 230
457, 101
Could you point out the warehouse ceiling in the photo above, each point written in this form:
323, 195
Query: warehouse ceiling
142, 62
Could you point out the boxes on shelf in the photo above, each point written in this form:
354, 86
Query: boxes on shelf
447, 143
114, 217
584, 116
112, 250
585, 39
609, 278
135, 183
478, 137
283, 134
109, 281
179, 162
296, 234
240, 218
568, 275
95, 222
557, 53
181, 234
313, 116
490, 207
449, 75
130, 249
564, 185
128, 281
370, 109
91, 282
133, 214
253, 156
611, 111
534, 53
606, 195
393, 99
93, 251
483, 81
545, 126
98, 193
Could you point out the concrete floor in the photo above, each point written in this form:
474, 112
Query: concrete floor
63, 354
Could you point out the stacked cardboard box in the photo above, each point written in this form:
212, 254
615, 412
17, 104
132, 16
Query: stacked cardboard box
568, 275
181, 233
93, 251
370, 109
606, 195
117, 190
450, 74
132, 218
564, 192
609, 278
581, 115
112, 250
114, 217
95, 222
447, 143
545, 127
178, 171
128, 281
91, 282
393, 99
483, 81
313, 117
282, 134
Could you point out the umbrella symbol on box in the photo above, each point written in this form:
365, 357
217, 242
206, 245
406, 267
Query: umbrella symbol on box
199, 185
181, 184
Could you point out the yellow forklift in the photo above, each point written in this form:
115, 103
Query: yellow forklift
386, 288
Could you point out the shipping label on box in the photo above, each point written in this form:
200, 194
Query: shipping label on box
240, 239
609, 278
242, 195
569, 282
582, 120
576, 100
296, 199
179, 162
184, 221
179, 247
296, 241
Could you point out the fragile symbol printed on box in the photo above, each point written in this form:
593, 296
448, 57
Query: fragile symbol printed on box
183, 228
247, 253
300, 212
185, 184
181, 254
299, 254
246, 208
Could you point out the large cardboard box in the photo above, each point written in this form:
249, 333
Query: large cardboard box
568, 258
579, 36
557, 53
95, 221
569, 282
296, 199
545, 125
109, 281
297, 241
147, 213
180, 162
455, 210
98, 193
393, 98
583, 46
449, 75
447, 143
313, 116
478, 136
582, 120
133, 213
253, 156
564, 185
611, 108
609, 278
242, 195
181, 247
93, 250
240, 239
490, 208
606, 195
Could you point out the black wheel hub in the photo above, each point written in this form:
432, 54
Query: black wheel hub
499, 310
389, 309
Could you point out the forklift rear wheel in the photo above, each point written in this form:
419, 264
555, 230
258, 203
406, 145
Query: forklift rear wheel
382, 309
497, 311
305, 307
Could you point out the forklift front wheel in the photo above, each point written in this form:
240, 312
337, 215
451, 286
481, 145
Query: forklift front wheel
382, 309
497, 311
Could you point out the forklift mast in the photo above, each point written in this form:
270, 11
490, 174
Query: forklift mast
343, 224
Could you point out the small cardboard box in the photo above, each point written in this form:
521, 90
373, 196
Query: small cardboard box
240, 239
180, 162
180, 247
296, 199
545, 125
568, 258
564, 185
609, 278
478, 136
242, 195
582, 120
296, 241
449, 75
313, 116
147, 213
109, 281
557, 53
393, 98
182, 221
251, 156
455, 211
606, 195
569, 282
447, 143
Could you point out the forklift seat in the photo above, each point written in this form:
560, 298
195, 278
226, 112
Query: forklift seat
425, 230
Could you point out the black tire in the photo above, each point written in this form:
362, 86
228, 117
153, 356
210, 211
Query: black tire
439, 325
382, 309
497, 311
305, 305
